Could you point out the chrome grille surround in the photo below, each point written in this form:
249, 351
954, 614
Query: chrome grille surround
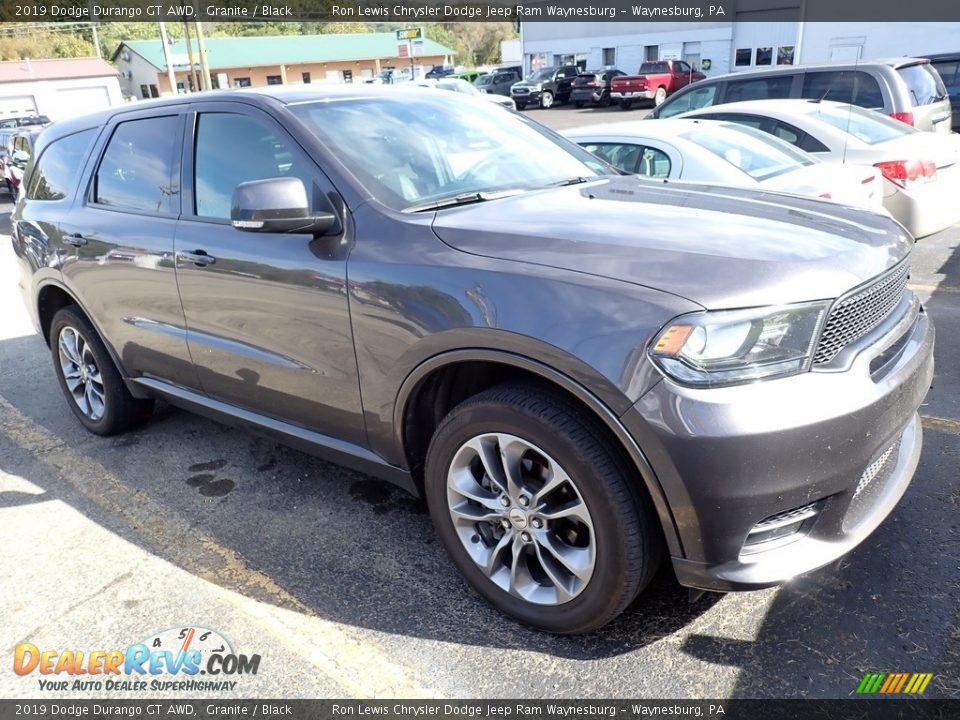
857, 314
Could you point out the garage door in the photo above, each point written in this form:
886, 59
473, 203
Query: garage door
77, 101
17, 105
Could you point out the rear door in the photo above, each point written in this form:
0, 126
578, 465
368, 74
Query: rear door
267, 315
119, 234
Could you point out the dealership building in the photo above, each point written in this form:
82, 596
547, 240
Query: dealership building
760, 33
272, 60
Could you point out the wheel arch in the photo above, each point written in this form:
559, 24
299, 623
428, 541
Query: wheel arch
423, 399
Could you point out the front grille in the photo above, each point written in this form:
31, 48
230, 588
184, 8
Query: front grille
520, 91
787, 517
870, 487
856, 315
874, 469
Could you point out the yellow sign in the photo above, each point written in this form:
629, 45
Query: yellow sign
410, 34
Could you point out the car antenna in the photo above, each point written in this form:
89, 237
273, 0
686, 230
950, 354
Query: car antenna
846, 137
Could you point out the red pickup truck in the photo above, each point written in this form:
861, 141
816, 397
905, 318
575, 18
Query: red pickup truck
655, 81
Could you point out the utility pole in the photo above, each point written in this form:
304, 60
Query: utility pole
171, 76
96, 40
195, 80
204, 67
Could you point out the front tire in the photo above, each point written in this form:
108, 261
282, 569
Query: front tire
89, 379
546, 100
520, 106
538, 509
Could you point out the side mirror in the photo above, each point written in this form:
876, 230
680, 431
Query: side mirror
277, 205
20, 158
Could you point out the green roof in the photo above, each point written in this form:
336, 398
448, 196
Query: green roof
224, 52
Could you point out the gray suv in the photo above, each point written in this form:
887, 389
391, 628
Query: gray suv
908, 89
706, 375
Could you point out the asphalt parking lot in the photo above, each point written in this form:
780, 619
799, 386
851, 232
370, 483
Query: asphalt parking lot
338, 582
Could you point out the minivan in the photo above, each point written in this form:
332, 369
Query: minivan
948, 66
908, 89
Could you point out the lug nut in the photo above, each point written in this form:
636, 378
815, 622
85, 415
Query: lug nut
504, 500
524, 500
505, 524
537, 523
525, 536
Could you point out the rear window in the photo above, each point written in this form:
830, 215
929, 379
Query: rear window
654, 67
949, 71
757, 154
700, 96
847, 86
924, 85
865, 125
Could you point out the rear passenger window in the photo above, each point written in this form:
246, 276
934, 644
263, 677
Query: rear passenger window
58, 169
137, 169
846, 86
767, 88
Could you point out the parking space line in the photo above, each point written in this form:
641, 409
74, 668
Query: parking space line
943, 424
345, 657
934, 288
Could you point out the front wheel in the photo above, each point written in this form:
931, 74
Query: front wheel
605, 99
539, 510
546, 100
578, 105
89, 379
520, 105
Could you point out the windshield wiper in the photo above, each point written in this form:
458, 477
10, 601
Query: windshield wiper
462, 199
578, 180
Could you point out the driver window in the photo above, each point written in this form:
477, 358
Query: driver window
232, 148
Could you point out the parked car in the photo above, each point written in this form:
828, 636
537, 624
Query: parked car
948, 67
4, 142
465, 88
439, 71
727, 154
497, 82
906, 89
545, 87
19, 152
10, 123
656, 80
471, 76
593, 87
920, 171
710, 375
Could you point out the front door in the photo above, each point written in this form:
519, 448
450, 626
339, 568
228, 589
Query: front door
267, 318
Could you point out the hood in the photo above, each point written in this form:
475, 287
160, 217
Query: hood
719, 247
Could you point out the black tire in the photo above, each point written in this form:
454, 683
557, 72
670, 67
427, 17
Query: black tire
605, 99
626, 104
121, 411
521, 106
628, 541
578, 105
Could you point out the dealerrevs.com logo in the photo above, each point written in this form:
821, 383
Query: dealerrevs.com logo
187, 659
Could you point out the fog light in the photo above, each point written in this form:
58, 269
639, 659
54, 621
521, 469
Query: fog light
779, 526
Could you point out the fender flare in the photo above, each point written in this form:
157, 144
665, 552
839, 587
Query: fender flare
601, 411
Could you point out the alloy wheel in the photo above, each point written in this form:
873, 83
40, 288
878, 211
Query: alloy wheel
81, 374
521, 519
546, 100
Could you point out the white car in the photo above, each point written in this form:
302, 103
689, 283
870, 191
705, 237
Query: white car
920, 171
726, 154
462, 86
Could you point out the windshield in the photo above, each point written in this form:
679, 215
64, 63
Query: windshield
759, 155
867, 126
441, 146
540, 75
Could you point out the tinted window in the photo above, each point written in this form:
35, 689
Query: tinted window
924, 85
136, 171
766, 88
743, 57
699, 97
59, 167
949, 72
846, 86
232, 149
654, 67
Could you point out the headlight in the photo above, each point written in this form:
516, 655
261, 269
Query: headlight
735, 346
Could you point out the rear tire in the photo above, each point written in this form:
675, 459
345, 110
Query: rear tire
659, 96
572, 496
89, 379
605, 99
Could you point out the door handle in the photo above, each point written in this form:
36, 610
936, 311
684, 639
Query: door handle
197, 257
76, 239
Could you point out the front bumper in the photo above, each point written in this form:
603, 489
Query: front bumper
526, 98
846, 442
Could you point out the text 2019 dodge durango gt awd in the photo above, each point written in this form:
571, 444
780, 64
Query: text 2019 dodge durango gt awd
383, 277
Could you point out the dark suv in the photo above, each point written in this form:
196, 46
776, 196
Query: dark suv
728, 380
545, 87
